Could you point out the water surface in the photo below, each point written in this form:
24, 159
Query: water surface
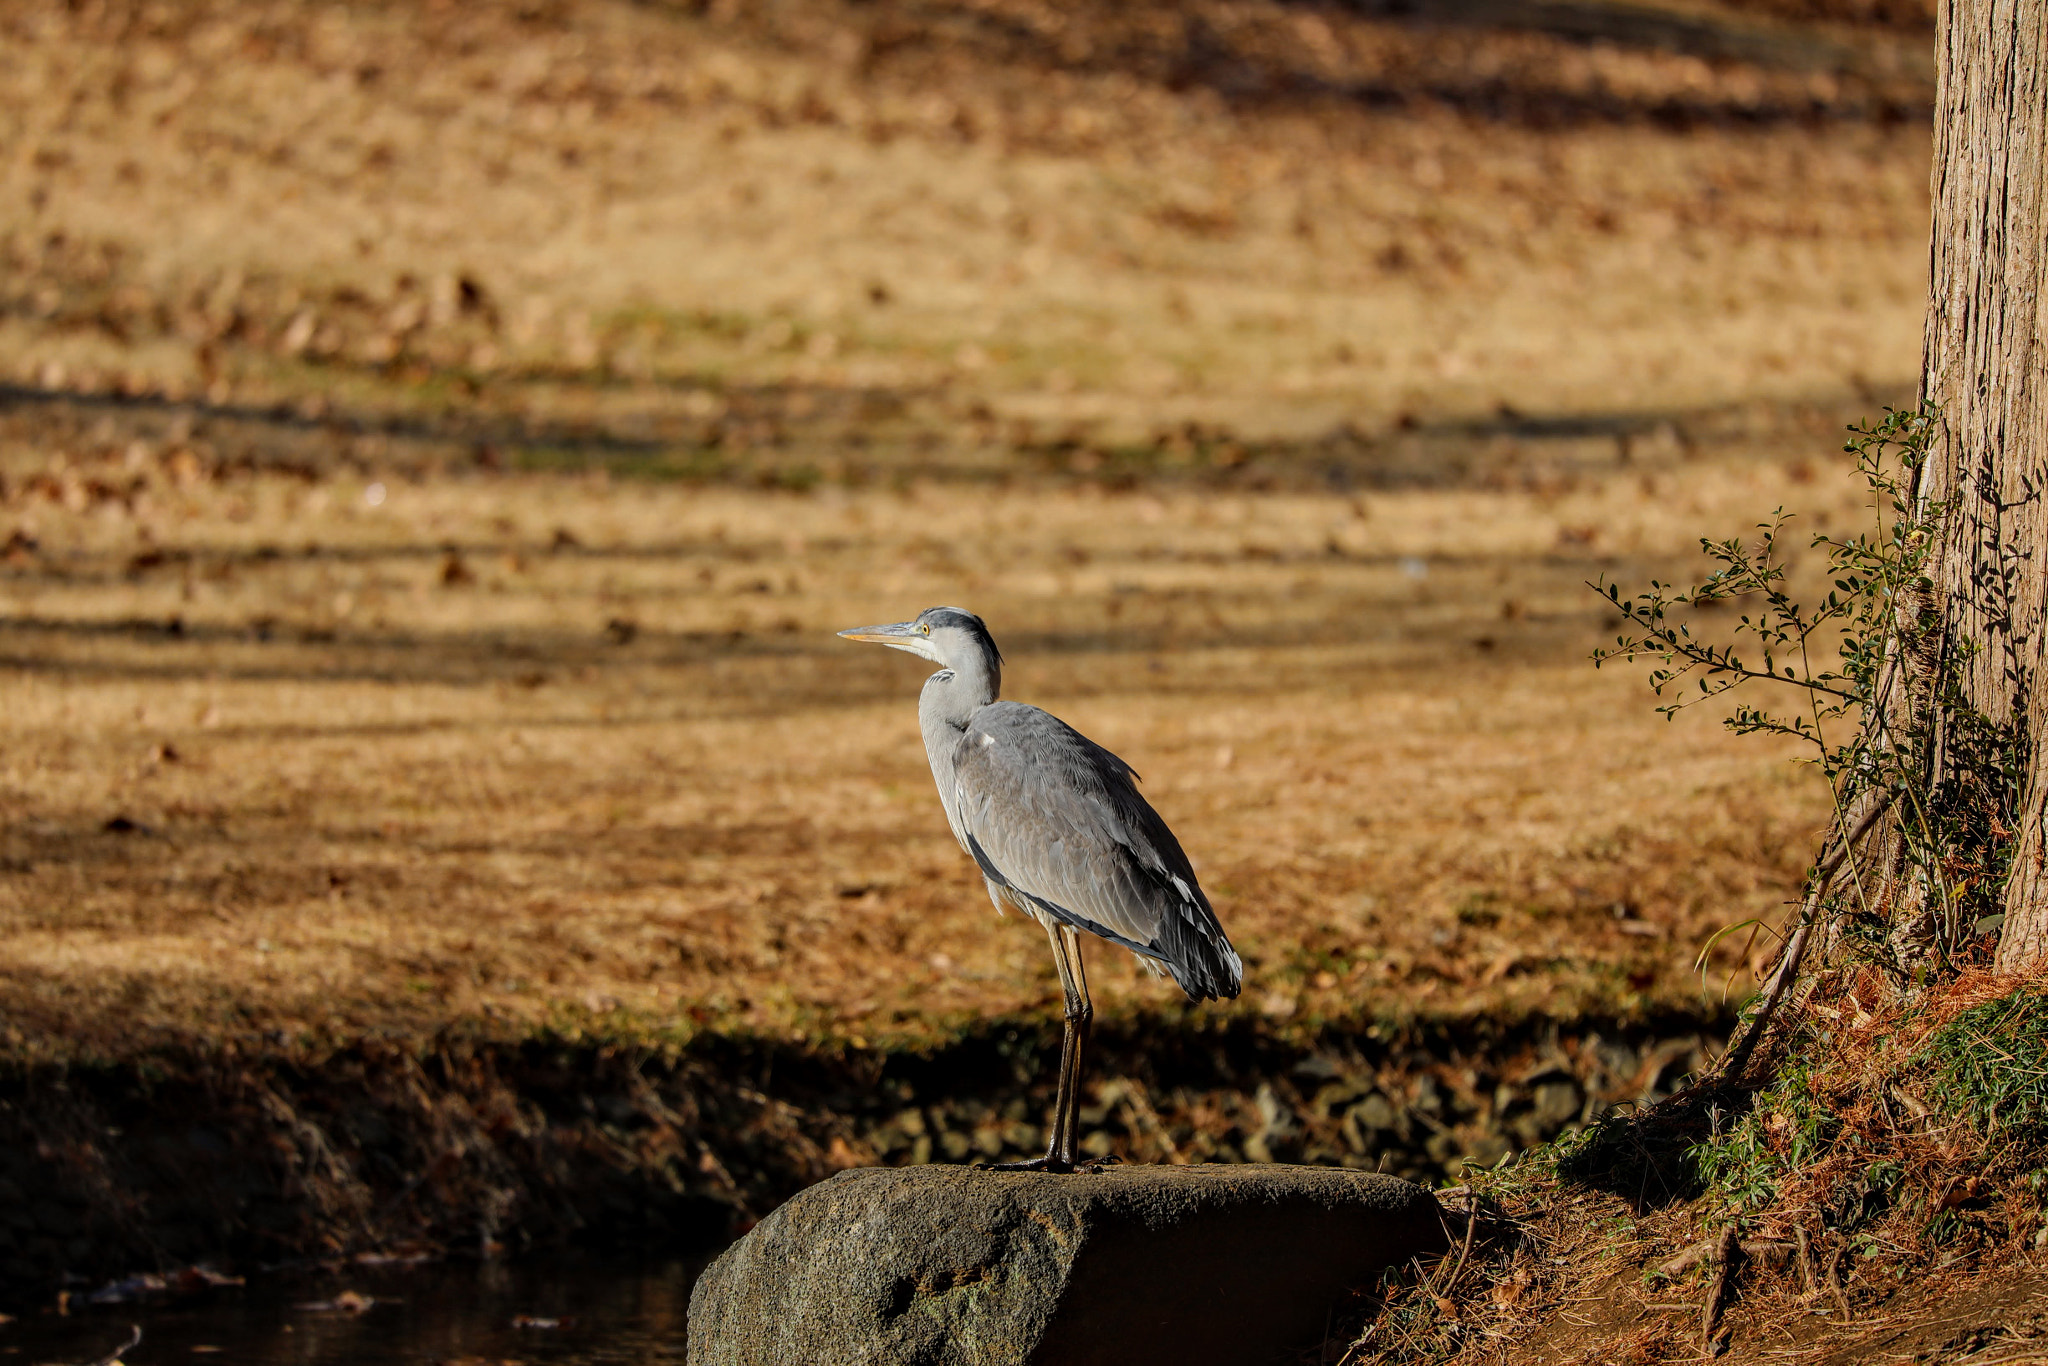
453, 1313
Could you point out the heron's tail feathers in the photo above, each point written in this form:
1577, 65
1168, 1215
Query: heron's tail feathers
1206, 966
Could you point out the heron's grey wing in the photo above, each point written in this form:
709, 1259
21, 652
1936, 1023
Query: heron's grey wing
1058, 819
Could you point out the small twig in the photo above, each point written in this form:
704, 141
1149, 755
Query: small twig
1422, 1274
1727, 1248
1806, 1274
134, 1338
1471, 1226
1737, 1057
1673, 1267
1835, 1281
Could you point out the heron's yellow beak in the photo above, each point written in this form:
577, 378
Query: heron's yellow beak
884, 635
906, 636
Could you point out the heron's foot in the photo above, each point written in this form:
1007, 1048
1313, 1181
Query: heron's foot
1048, 1163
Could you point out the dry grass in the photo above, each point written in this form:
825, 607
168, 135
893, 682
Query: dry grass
501, 744
522, 745
1113, 216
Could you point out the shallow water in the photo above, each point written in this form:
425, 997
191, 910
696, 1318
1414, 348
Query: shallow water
451, 1313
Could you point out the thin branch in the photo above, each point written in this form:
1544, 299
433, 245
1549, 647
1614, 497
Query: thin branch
1737, 1057
1471, 1225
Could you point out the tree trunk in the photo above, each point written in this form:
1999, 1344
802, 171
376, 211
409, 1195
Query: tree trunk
1987, 375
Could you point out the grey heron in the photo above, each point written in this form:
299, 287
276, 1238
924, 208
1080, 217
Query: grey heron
1059, 831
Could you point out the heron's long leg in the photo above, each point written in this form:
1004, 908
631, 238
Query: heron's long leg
1054, 1157
1061, 1146
1080, 1021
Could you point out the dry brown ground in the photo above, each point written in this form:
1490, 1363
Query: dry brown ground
1281, 219
501, 743
531, 744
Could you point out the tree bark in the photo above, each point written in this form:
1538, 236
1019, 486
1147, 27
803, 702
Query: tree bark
1986, 374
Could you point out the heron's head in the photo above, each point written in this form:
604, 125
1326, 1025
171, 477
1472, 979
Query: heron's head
947, 636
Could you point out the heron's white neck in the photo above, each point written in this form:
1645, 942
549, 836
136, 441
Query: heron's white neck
951, 696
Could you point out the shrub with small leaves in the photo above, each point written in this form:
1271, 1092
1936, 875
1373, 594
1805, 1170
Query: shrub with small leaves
1840, 659
1830, 654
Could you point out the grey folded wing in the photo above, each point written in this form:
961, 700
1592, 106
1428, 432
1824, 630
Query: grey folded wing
1058, 821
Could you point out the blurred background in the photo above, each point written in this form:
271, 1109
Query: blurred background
439, 441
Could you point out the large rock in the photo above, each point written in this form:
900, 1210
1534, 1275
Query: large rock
947, 1266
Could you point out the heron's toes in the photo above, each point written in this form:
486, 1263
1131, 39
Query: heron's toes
1036, 1164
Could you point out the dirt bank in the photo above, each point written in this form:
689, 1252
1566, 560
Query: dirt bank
246, 1153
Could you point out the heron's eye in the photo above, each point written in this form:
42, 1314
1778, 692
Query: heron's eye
926, 629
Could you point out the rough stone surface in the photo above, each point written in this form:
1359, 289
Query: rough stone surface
945, 1266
